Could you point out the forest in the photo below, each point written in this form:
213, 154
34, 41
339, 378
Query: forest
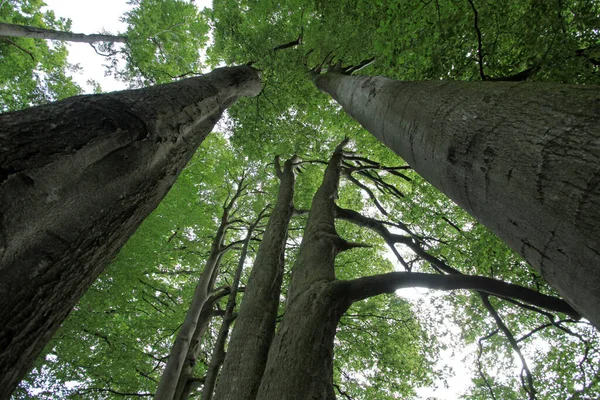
350, 199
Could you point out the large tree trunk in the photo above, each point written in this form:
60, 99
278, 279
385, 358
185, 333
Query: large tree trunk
300, 362
76, 179
255, 323
51, 34
522, 158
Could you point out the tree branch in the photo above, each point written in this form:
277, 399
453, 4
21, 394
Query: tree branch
19, 47
369, 286
479, 42
528, 387
82, 391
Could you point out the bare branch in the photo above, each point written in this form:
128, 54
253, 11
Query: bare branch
479, 44
369, 286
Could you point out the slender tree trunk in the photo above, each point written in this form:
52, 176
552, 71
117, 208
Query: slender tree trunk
76, 179
167, 386
187, 381
51, 34
177, 357
255, 323
300, 362
522, 158
218, 355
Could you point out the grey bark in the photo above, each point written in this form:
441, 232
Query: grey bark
218, 355
76, 179
51, 34
187, 382
300, 362
254, 327
167, 385
522, 158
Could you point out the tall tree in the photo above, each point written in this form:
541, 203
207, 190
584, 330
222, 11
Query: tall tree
449, 40
519, 157
254, 328
78, 177
177, 357
300, 362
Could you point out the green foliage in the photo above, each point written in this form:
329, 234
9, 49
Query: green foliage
386, 347
33, 71
165, 39
381, 351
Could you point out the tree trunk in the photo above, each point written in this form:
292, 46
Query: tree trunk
522, 158
77, 177
185, 337
187, 381
300, 363
255, 323
51, 34
218, 354
167, 386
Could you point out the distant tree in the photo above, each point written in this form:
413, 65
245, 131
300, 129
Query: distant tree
14, 30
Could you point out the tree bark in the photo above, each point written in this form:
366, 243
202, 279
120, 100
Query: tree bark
218, 355
76, 179
185, 336
51, 34
187, 381
300, 362
254, 327
167, 386
522, 158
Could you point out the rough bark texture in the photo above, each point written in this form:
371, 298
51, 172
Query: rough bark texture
255, 323
300, 362
51, 34
522, 158
76, 179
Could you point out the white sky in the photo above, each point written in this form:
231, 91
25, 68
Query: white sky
93, 16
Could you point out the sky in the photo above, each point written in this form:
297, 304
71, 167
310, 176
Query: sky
89, 16
93, 16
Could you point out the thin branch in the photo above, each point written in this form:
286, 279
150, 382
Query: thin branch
287, 45
19, 47
342, 392
103, 390
367, 190
102, 54
374, 225
479, 42
479, 366
528, 386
